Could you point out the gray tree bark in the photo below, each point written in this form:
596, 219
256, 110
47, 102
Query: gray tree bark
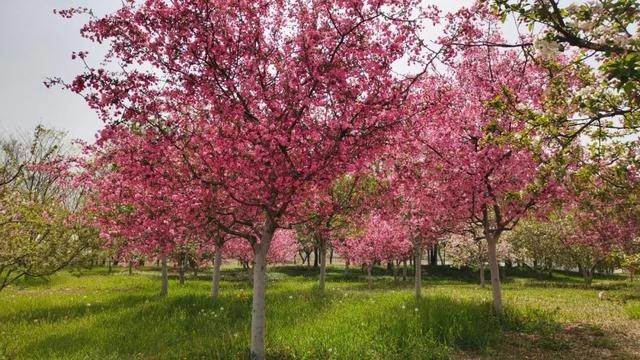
404, 270
181, 271
323, 265
164, 290
418, 271
492, 243
217, 262
258, 314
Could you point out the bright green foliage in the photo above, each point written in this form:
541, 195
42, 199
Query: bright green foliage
632, 264
546, 246
606, 31
39, 233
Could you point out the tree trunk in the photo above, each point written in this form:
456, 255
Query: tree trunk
404, 270
346, 267
395, 271
164, 290
323, 265
369, 278
315, 257
110, 265
217, 262
482, 274
130, 268
492, 243
308, 260
331, 256
587, 274
417, 263
181, 272
258, 315
433, 254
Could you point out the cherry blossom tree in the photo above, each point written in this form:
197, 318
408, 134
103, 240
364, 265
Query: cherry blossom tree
282, 250
492, 159
335, 212
383, 240
137, 195
470, 250
269, 98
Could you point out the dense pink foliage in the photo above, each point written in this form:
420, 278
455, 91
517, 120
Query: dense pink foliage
282, 250
385, 239
264, 100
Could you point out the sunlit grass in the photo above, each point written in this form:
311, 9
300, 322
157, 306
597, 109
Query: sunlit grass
100, 316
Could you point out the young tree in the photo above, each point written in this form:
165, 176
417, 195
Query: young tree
470, 250
138, 195
42, 231
335, 211
383, 240
268, 98
495, 162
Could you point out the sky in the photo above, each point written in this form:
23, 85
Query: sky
36, 44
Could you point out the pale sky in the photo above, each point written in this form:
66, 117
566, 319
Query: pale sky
36, 44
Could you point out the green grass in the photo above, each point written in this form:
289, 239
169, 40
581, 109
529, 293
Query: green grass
99, 316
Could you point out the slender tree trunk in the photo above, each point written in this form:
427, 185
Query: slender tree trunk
395, 271
369, 278
587, 274
164, 290
315, 257
418, 270
308, 261
130, 268
323, 265
331, 256
258, 314
346, 267
217, 262
110, 265
492, 243
181, 272
404, 270
482, 274
433, 255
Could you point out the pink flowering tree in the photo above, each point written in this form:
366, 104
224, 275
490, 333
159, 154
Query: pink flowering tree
268, 98
334, 212
282, 250
384, 239
136, 192
497, 166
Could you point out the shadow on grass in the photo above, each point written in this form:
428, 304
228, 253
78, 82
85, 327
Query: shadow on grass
183, 325
301, 323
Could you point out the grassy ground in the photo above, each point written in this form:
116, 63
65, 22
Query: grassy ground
95, 315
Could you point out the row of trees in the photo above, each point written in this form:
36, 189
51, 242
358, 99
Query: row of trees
228, 120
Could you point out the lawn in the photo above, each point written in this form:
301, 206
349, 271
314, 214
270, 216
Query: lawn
95, 315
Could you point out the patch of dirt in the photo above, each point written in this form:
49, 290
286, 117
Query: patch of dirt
572, 341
